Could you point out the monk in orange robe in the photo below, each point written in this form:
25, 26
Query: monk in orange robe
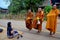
37, 22
52, 20
29, 18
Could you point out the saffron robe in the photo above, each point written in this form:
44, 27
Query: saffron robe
29, 20
52, 20
39, 17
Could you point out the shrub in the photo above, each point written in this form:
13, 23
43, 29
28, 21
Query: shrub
47, 10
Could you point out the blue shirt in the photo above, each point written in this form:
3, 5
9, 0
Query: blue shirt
9, 29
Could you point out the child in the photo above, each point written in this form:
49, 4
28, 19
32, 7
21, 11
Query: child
12, 33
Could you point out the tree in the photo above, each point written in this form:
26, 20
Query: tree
18, 5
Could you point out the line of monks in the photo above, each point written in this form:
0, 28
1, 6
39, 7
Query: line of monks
36, 21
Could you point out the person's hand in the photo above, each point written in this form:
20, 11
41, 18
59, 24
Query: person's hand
12, 32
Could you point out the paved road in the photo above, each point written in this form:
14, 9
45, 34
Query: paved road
32, 35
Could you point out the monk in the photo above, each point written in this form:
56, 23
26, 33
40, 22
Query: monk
29, 18
52, 20
37, 22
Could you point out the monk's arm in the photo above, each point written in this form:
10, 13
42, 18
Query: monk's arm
57, 12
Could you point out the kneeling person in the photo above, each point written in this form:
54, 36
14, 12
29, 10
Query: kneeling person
12, 33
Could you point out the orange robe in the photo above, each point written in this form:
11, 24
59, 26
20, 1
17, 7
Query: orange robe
29, 20
39, 16
52, 20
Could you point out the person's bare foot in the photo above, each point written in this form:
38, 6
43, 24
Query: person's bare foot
50, 33
53, 33
29, 29
38, 31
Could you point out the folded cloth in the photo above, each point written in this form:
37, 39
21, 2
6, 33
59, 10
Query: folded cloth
16, 33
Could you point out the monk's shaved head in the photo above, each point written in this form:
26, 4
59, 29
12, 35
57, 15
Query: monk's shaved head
29, 10
39, 9
54, 6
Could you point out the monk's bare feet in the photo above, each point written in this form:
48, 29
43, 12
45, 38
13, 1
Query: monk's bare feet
38, 31
53, 33
29, 29
50, 33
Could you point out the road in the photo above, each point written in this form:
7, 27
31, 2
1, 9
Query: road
32, 35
